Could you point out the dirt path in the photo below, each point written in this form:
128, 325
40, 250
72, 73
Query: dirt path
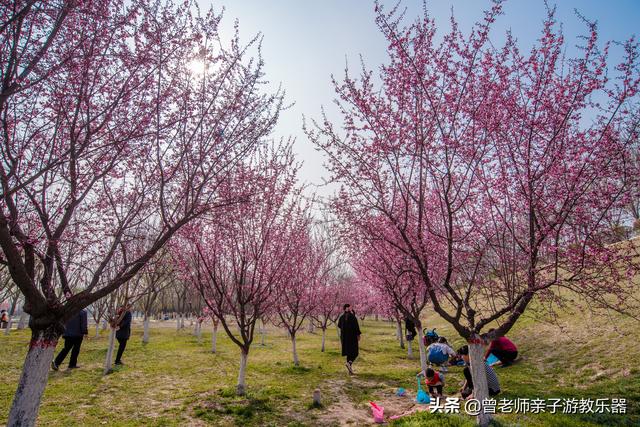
343, 411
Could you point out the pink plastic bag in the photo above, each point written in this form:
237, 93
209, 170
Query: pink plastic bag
378, 413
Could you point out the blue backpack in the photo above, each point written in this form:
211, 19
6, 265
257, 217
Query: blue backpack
430, 336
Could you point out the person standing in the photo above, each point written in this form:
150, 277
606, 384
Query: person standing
349, 336
123, 332
74, 332
4, 319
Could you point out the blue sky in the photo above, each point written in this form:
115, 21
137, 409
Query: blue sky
305, 41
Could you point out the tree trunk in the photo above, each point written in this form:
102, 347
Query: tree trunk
296, 361
34, 377
399, 333
145, 329
199, 331
214, 338
409, 350
104, 324
97, 329
12, 311
324, 335
178, 324
9, 325
241, 388
23, 320
311, 329
423, 354
479, 376
263, 332
107, 360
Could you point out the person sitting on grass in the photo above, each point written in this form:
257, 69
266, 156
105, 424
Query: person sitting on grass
434, 381
467, 388
439, 353
505, 350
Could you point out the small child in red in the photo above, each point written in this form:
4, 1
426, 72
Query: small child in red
434, 380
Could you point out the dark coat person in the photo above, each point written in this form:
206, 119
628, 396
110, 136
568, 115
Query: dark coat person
123, 333
410, 327
74, 332
349, 336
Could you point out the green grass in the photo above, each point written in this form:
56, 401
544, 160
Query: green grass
176, 381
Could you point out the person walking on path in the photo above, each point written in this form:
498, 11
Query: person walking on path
349, 336
123, 332
74, 332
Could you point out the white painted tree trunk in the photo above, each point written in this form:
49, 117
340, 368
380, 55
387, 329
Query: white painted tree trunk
423, 354
214, 338
311, 329
324, 336
241, 388
9, 325
33, 380
263, 332
399, 333
178, 323
23, 320
145, 329
199, 332
479, 376
97, 329
409, 350
109, 357
104, 324
296, 361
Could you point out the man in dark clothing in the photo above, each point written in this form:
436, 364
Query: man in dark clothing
410, 328
74, 332
123, 332
349, 336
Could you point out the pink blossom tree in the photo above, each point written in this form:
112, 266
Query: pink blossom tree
490, 170
392, 276
327, 310
104, 128
238, 259
297, 293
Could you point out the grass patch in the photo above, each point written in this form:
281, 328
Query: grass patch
174, 381
426, 419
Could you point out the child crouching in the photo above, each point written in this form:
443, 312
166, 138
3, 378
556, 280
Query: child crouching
434, 381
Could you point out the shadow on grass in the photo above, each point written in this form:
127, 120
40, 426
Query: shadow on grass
244, 410
294, 370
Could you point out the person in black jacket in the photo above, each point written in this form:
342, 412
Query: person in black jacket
410, 328
74, 332
123, 332
349, 336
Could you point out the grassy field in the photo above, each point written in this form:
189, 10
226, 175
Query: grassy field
173, 380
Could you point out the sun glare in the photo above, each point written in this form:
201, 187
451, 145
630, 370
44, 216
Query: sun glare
197, 67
